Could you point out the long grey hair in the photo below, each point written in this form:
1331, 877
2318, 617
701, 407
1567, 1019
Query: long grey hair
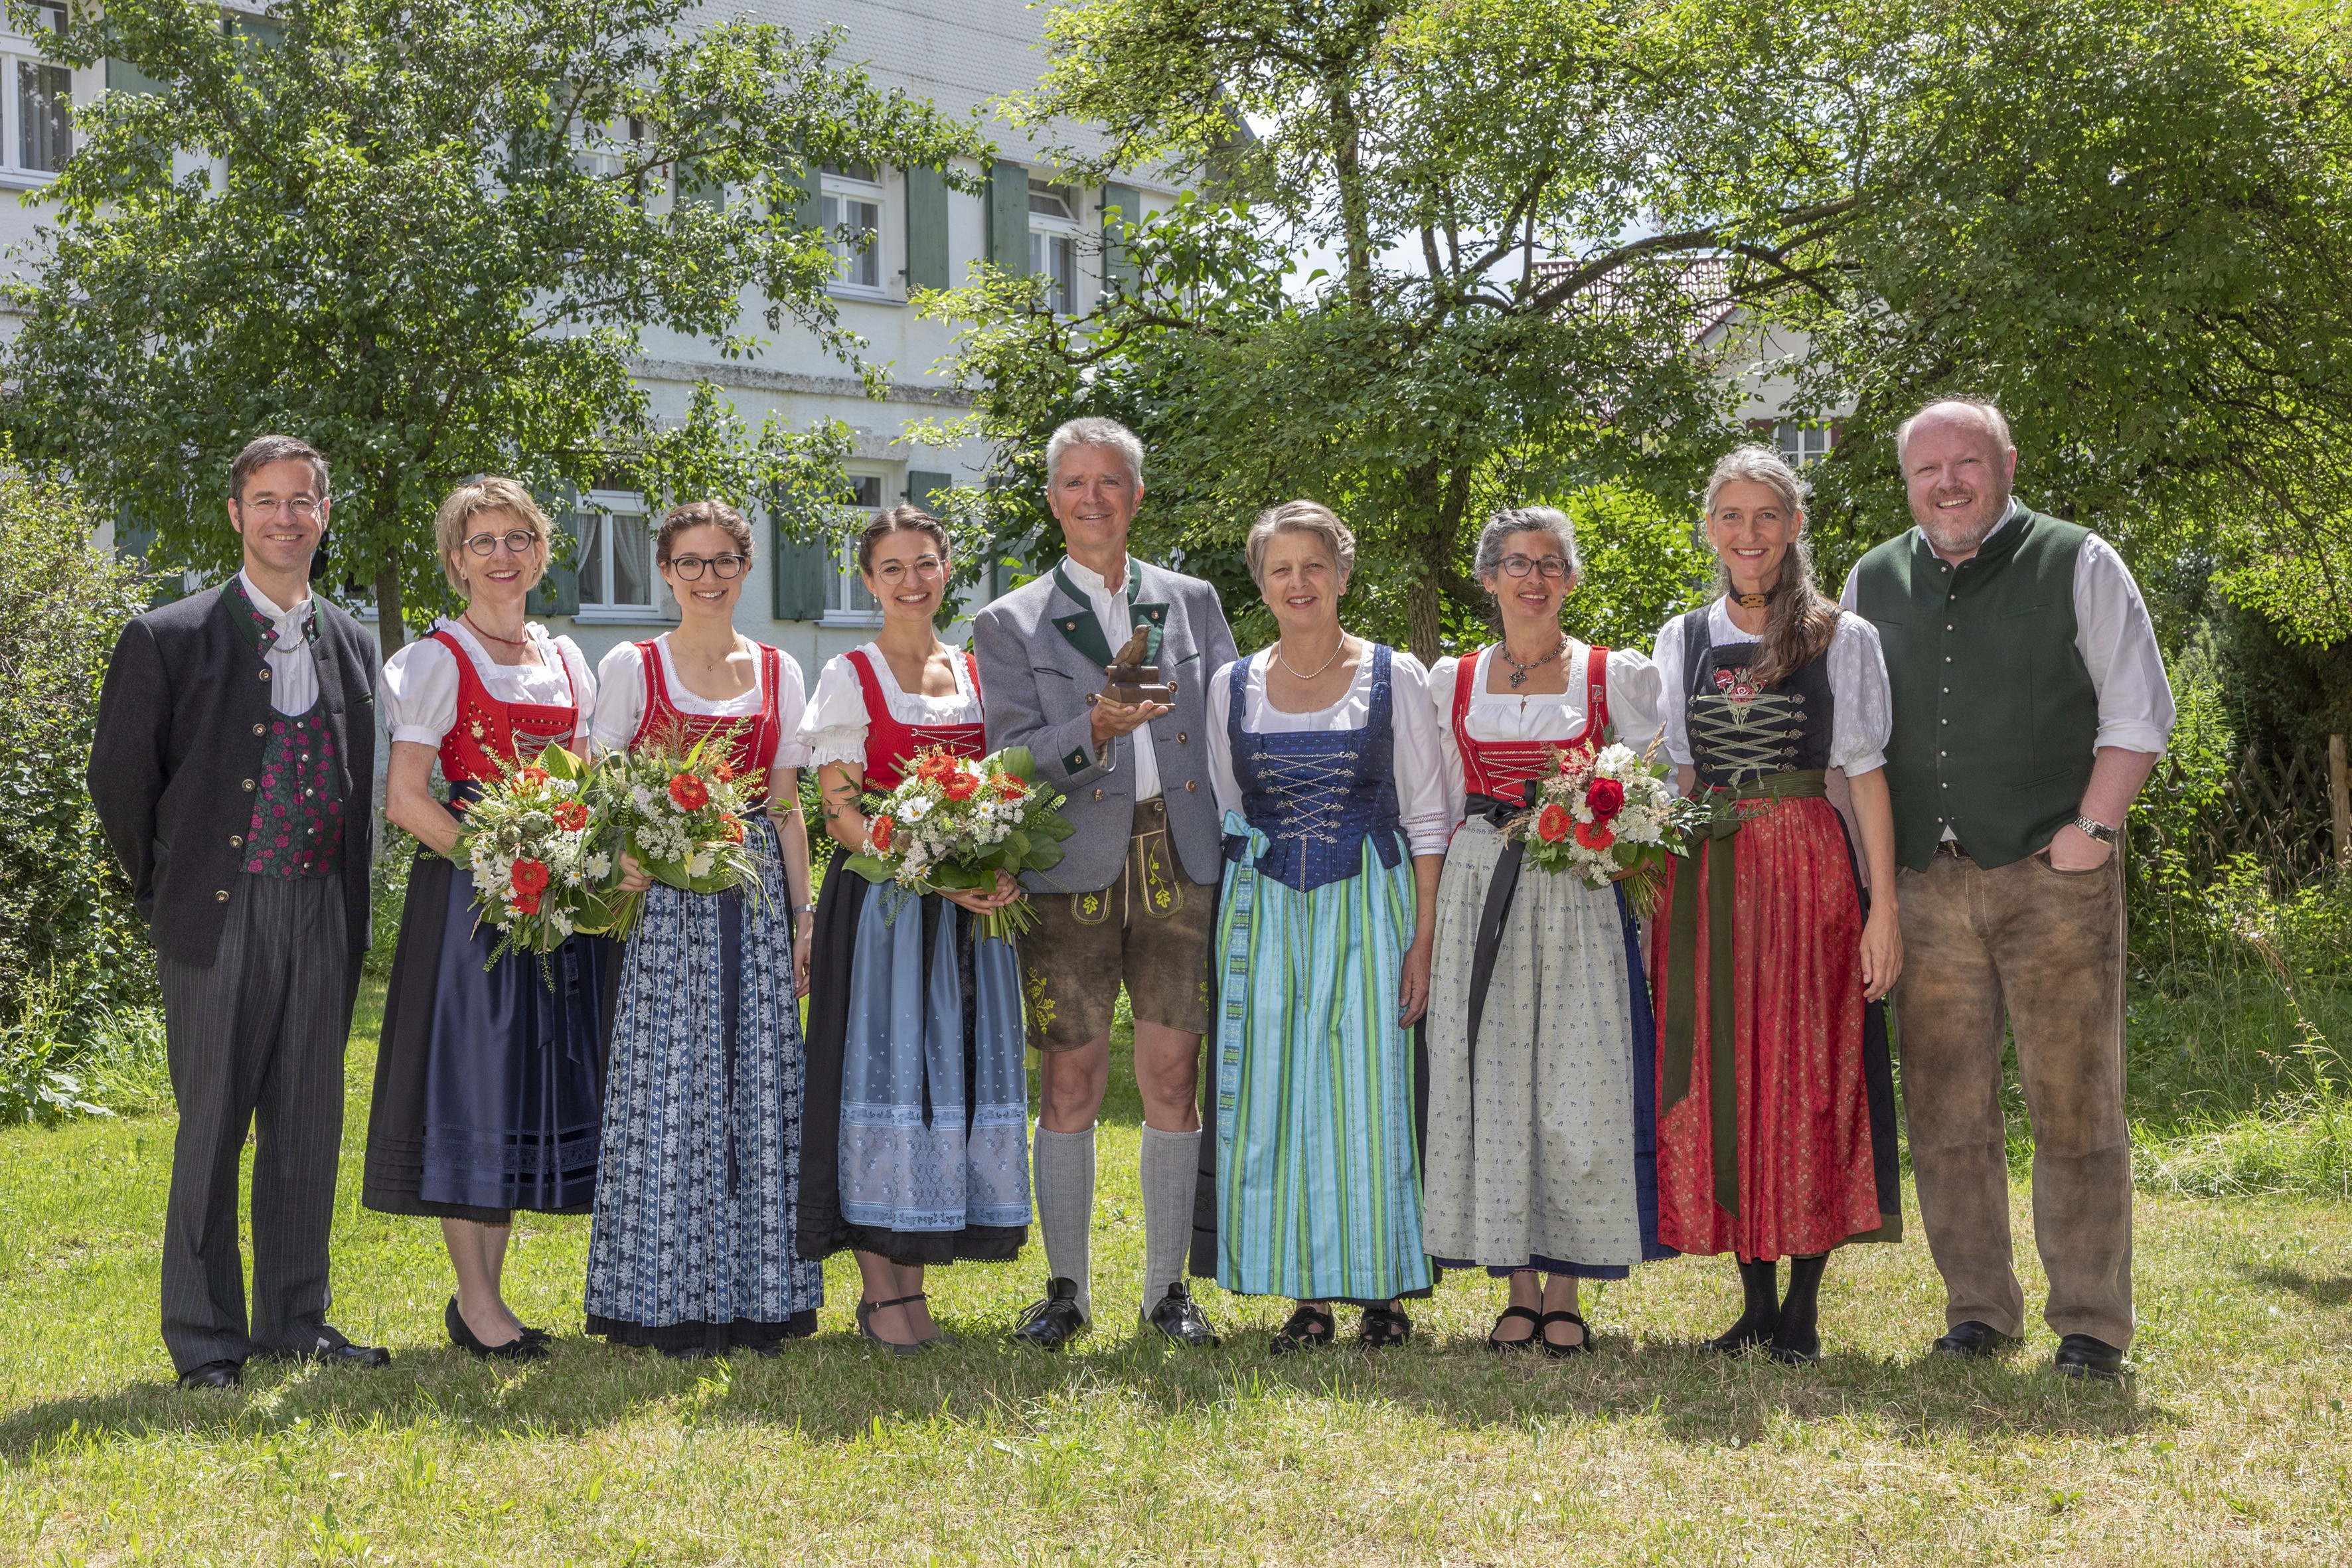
1801, 623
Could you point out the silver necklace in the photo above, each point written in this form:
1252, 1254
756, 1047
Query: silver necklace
1299, 674
1520, 672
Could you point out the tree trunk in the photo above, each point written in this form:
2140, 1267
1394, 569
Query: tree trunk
1424, 618
390, 630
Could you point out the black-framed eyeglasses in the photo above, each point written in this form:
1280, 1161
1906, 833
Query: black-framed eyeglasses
722, 567
1554, 568
926, 567
518, 540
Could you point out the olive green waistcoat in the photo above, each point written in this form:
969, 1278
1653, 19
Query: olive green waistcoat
1996, 719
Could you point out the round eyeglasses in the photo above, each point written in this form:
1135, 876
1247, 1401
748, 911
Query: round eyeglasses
926, 567
518, 542
1553, 568
722, 567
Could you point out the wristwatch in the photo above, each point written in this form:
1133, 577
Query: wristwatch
803, 909
2090, 829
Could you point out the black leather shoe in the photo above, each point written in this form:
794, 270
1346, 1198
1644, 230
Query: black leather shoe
213, 1374
1179, 1317
328, 1346
521, 1348
1050, 1324
1973, 1340
2080, 1356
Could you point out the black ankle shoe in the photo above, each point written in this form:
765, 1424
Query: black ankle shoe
1050, 1324
1759, 1283
1973, 1340
1796, 1338
213, 1374
1179, 1317
2080, 1356
520, 1348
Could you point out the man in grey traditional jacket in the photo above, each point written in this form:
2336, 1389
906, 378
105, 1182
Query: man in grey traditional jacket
2030, 705
1135, 895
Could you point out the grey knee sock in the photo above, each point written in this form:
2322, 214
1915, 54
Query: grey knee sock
1171, 1166
1064, 1171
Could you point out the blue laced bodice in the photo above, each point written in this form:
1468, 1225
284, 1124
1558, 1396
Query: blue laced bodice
1317, 794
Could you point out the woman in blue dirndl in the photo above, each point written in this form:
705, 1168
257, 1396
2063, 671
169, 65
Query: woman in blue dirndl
1326, 762
691, 1253
489, 1075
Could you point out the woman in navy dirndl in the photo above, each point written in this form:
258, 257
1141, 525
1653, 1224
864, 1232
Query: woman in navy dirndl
916, 1148
489, 1081
691, 1253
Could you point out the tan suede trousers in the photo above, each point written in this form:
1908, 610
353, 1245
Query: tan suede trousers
2046, 948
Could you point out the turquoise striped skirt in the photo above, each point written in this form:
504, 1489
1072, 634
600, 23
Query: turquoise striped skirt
1319, 1177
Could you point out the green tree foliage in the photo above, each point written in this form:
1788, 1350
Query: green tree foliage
68, 936
1511, 192
428, 236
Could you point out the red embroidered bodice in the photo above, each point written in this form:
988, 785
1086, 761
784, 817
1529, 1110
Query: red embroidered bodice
488, 731
755, 750
890, 744
1497, 768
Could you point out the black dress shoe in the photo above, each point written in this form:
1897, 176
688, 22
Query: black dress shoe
2080, 1356
213, 1374
1973, 1340
1179, 1317
521, 1348
1050, 1324
329, 1347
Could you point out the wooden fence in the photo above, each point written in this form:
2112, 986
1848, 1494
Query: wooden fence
2274, 806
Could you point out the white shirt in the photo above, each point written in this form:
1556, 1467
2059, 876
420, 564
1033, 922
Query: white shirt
420, 682
1110, 613
1862, 708
621, 703
2117, 642
835, 728
1415, 761
1635, 695
293, 672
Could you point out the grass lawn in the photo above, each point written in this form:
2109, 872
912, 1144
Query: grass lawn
2232, 1446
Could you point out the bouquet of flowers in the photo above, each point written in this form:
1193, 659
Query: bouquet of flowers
953, 823
682, 812
541, 857
1602, 813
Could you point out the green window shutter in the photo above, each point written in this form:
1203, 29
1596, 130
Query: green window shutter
926, 229
121, 75
800, 574
1008, 217
557, 593
809, 210
1121, 206
922, 486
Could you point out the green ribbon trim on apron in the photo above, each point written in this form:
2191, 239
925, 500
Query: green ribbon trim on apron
1719, 847
1084, 632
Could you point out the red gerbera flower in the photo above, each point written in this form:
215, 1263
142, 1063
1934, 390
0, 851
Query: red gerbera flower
533, 776
526, 903
733, 828
1606, 797
1553, 823
1010, 788
1594, 835
722, 773
960, 784
933, 765
878, 830
569, 816
689, 792
528, 876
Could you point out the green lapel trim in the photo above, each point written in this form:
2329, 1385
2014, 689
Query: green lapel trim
1084, 632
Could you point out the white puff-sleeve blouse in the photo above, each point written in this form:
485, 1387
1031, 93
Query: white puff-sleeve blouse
1635, 695
1414, 759
834, 730
1863, 715
420, 682
621, 703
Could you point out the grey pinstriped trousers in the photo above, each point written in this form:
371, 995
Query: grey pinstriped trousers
256, 1037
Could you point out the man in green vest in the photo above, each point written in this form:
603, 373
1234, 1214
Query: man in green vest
2030, 705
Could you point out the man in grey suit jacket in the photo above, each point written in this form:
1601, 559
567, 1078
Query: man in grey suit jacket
1135, 896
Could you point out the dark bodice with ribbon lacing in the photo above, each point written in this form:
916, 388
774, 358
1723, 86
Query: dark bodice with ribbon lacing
1739, 732
1317, 794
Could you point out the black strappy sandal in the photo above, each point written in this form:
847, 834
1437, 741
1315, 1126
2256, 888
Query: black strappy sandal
1384, 1327
866, 1310
1581, 1347
1308, 1328
1503, 1347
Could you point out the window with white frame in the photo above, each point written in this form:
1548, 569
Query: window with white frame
846, 602
1053, 243
851, 212
1801, 444
616, 558
38, 129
